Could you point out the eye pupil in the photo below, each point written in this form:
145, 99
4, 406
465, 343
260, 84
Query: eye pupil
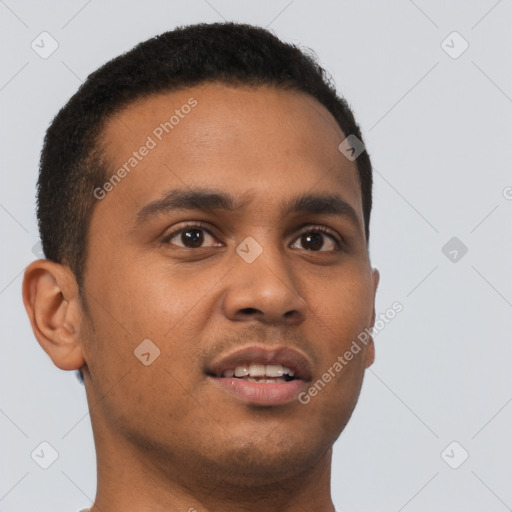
316, 238
192, 237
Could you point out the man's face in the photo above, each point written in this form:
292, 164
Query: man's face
203, 283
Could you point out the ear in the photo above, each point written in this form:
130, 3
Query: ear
370, 348
50, 295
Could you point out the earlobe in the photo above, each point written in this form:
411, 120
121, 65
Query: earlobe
50, 296
376, 279
370, 353
370, 349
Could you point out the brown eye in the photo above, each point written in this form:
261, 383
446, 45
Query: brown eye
190, 237
314, 239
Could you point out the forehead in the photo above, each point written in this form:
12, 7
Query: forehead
257, 142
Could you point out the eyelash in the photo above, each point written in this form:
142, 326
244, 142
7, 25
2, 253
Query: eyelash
312, 228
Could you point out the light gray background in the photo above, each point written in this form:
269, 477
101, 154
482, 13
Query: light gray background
439, 132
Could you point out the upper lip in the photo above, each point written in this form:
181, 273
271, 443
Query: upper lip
286, 356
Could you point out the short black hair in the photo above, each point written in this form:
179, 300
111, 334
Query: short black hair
72, 162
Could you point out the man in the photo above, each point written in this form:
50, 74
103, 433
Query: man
204, 204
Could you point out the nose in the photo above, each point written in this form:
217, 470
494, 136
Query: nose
264, 290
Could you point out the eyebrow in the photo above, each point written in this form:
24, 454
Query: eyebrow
208, 199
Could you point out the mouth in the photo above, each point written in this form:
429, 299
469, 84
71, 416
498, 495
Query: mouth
261, 376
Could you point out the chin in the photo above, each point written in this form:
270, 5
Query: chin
267, 457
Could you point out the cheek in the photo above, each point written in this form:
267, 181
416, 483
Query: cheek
150, 403
140, 300
136, 396
342, 314
147, 303
344, 307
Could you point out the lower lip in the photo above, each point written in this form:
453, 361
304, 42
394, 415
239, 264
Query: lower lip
264, 393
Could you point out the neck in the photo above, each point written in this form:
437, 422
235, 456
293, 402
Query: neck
135, 478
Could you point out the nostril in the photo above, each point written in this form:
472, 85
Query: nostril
250, 310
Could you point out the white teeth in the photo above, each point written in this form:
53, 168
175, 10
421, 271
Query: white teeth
257, 370
265, 381
241, 371
276, 371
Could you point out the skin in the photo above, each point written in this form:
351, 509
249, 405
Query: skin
166, 438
